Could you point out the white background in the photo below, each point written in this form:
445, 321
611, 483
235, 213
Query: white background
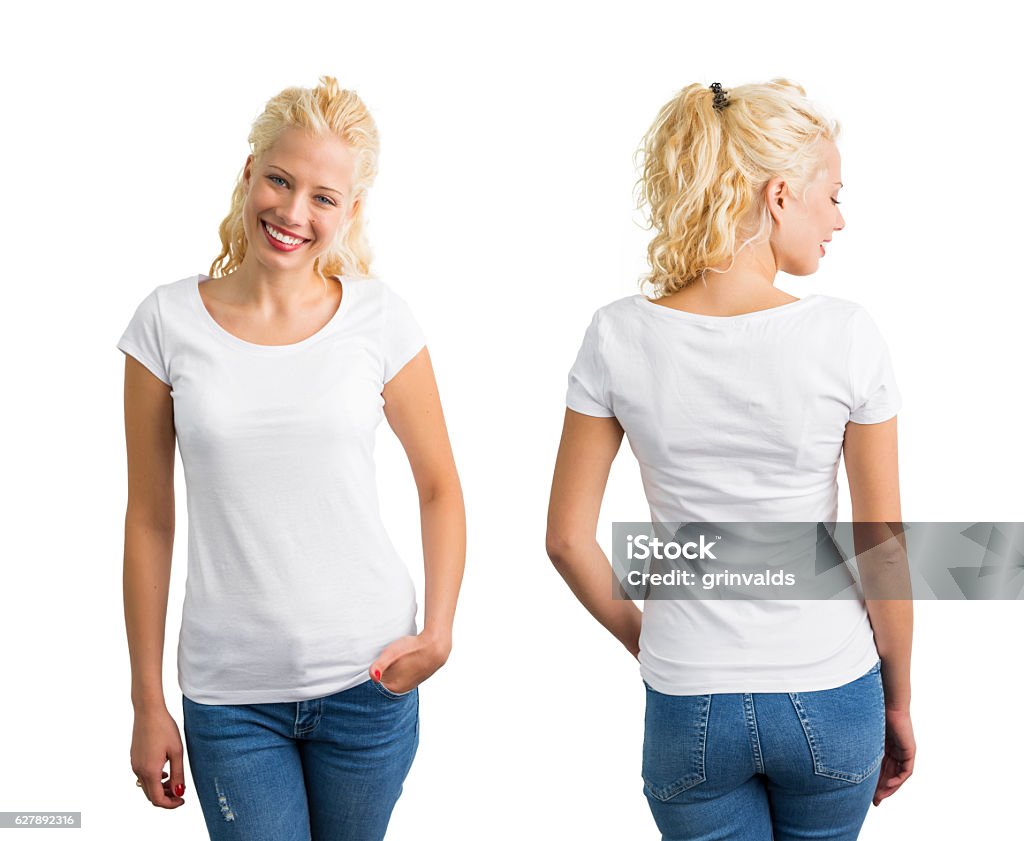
504, 215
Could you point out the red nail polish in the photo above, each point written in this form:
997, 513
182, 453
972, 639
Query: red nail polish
179, 789
376, 674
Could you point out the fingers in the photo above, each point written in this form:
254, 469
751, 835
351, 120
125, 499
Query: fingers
177, 780
397, 649
898, 771
405, 664
158, 787
154, 783
405, 673
894, 773
899, 779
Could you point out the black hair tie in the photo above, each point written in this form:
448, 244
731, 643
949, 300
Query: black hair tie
721, 97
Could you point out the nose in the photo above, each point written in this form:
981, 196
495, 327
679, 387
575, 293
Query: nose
840, 221
288, 209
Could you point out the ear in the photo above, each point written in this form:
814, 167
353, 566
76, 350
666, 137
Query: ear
777, 196
352, 210
247, 170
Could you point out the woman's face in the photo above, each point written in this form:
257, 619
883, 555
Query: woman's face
299, 196
801, 228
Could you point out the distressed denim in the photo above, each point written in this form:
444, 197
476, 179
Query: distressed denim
764, 766
328, 769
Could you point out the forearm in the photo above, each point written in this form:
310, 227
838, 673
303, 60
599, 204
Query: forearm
888, 595
443, 524
585, 568
893, 622
147, 573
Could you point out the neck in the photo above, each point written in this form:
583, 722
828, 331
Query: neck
735, 284
256, 281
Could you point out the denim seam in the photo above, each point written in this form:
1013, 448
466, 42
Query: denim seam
302, 731
755, 739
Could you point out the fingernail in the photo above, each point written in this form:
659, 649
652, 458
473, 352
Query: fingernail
376, 673
179, 789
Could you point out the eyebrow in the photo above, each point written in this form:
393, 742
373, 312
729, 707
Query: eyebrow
840, 183
286, 172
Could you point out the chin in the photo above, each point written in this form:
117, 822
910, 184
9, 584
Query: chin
799, 271
811, 268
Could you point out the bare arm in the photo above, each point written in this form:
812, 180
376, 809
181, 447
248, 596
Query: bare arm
585, 456
412, 407
148, 527
148, 541
872, 467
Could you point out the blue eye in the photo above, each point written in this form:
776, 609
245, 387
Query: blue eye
278, 180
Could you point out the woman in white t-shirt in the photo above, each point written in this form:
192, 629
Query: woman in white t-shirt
299, 658
764, 718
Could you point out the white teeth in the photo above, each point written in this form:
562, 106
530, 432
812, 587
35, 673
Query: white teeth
276, 234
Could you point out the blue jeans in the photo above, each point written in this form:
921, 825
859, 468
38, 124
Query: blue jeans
329, 769
762, 766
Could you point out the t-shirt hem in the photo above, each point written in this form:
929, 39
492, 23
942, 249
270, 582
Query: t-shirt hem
877, 415
272, 696
769, 684
593, 409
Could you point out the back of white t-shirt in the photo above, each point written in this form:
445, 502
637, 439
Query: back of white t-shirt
741, 419
293, 585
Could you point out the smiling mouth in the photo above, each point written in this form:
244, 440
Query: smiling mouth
281, 240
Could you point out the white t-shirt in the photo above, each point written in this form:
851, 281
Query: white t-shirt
741, 419
293, 585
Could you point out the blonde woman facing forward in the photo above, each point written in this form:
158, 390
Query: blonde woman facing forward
764, 719
299, 659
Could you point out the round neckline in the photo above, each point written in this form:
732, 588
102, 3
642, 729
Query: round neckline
670, 312
231, 339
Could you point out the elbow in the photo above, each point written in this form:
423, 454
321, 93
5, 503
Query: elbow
554, 546
441, 488
560, 546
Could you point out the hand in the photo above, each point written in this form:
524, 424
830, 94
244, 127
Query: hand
155, 740
409, 661
900, 749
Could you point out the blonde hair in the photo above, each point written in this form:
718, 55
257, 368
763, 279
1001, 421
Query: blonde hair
705, 169
320, 111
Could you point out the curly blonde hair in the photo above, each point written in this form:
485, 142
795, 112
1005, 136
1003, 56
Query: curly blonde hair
324, 110
706, 163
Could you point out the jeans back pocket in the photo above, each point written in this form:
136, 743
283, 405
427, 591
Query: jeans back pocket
675, 733
845, 727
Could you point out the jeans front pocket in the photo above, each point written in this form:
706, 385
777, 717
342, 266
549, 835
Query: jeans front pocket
387, 693
675, 732
845, 727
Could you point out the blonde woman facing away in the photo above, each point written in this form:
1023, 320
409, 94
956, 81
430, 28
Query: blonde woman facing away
299, 658
765, 719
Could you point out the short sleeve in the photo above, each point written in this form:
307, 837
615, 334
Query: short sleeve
875, 396
588, 393
402, 338
143, 338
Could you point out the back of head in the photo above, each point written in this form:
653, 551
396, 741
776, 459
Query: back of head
324, 110
706, 162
